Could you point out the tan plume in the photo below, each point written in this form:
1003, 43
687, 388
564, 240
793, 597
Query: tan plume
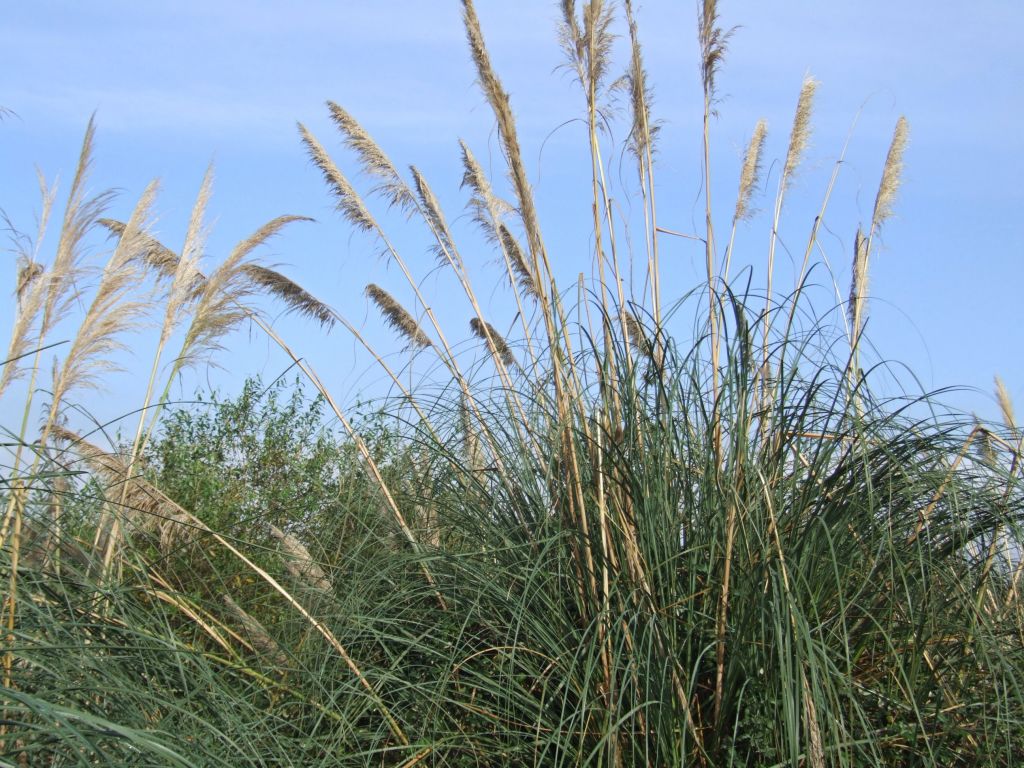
858, 285
294, 296
713, 44
890, 175
518, 260
223, 301
111, 312
299, 561
499, 101
257, 635
800, 134
498, 346
751, 173
80, 215
30, 302
349, 204
397, 317
488, 209
372, 158
431, 209
147, 508
1005, 404
644, 130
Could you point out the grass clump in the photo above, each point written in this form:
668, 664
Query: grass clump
581, 542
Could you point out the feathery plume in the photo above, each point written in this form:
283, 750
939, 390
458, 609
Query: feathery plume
28, 273
349, 204
295, 297
713, 44
636, 334
79, 217
643, 344
597, 23
445, 248
858, 284
644, 130
222, 302
985, 450
588, 49
187, 281
499, 101
110, 313
31, 288
299, 561
257, 634
801, 131
30, 302
373, 159
518, 260
150, 510
261, 235
1005, 404
498, 346
152, 252
570, 38
396, 316
890, 176
470, 438
488, 209
751, 173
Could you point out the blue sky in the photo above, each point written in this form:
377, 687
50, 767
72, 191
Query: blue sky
176, 85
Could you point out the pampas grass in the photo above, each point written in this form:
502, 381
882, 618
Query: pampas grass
349, 204
498, 346
397, 317
890, 176
111, 314
374, 161
296, 298
660, 542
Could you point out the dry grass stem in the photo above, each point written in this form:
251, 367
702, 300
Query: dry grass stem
397, 317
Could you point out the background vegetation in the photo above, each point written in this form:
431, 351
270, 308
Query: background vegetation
595, 543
